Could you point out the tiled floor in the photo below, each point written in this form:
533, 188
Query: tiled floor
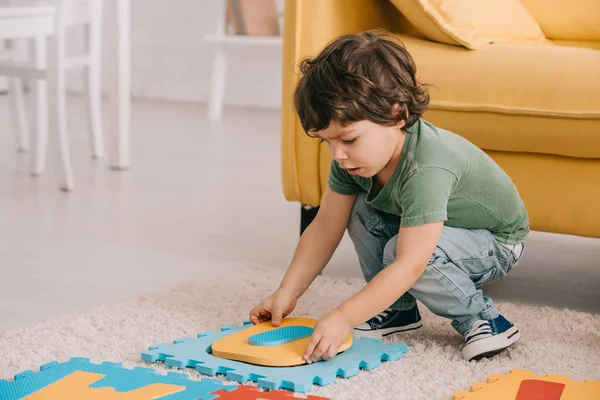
200, 196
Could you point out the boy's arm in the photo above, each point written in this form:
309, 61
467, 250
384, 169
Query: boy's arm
413, 250
318, 242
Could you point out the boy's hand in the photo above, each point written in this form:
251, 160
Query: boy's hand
275, 307
328, 335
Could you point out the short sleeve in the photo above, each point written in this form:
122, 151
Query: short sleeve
340, 181
424, 196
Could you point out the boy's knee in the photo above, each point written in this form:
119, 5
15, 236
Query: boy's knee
389, 253
360, 204
359, 207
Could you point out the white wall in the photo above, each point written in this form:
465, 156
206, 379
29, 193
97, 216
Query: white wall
171, 61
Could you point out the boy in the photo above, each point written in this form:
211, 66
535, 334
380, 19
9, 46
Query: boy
431, 216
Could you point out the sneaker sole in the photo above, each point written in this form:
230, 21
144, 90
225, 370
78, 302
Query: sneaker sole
489, 347
381, 333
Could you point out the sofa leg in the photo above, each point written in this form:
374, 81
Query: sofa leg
307, 214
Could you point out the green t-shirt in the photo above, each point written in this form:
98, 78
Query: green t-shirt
444, 177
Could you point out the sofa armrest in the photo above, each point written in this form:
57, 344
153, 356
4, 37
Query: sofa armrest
309, 26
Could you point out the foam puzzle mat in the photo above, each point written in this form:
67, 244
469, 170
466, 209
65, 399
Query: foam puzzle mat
196, 353
524, 385
79, 379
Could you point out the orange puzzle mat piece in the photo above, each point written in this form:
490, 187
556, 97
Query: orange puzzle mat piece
239, 346
524, 385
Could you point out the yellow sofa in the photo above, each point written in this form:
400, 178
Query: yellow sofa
534, 108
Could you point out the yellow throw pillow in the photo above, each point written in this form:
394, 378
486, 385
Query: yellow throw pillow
570, 20
471, 23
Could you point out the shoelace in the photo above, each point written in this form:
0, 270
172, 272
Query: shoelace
383, 314
477, 328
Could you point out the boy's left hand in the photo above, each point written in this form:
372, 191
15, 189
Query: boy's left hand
328, 335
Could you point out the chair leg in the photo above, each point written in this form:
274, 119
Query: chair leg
94, 106
217, 89
93, 85
119, 84
40, 110
17, 104
57, 111
307, 215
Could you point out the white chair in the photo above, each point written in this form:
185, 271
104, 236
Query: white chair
48, 23
221, 41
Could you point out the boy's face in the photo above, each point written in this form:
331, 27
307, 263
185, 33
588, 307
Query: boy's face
363, 148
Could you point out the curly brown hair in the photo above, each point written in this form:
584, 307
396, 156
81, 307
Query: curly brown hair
357, 77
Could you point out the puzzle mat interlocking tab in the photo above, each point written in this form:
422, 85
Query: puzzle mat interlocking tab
524, 385
79, 379
195, 352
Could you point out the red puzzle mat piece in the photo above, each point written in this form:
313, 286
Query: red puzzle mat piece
248, 392
533, 389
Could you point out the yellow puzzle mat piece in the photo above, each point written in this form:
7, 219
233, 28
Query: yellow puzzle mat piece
76, 387
236, 346
524, 385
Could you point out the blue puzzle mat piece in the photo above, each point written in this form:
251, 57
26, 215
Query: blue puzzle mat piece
196, 352
280, 336
120, 379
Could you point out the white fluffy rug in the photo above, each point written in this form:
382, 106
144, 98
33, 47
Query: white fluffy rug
553, 341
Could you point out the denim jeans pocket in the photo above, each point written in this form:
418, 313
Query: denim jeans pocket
481, 278
505, 255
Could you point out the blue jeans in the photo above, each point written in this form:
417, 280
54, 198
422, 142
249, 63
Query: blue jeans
463, 261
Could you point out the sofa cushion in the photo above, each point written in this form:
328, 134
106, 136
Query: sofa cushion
471, 23
514, 97
586, 44
572, 20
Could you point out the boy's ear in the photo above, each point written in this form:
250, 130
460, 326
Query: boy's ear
397, 112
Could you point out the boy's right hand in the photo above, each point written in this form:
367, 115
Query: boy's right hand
275, 307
